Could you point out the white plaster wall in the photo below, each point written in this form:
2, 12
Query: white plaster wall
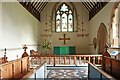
119, 20
0, 27
103, 16
18, 27
82, 44
119, 12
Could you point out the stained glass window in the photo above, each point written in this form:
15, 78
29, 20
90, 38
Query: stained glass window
64, 19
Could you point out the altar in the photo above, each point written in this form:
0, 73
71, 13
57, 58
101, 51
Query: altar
64, 50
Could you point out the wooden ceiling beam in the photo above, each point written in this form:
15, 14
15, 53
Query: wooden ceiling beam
37, 5
86, 6
90, 5
33, 6
29, 6
43, 6
98, 6
87, 3
40, 6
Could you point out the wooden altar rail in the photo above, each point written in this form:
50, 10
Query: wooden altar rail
111, 66
66, 59
14, 69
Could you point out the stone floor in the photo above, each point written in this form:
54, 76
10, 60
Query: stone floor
75, 73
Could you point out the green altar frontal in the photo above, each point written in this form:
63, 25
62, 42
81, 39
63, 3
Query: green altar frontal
64, 50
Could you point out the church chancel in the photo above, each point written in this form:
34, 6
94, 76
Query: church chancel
60, 39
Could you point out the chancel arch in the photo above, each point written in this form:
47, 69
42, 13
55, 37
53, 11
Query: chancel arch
102, 38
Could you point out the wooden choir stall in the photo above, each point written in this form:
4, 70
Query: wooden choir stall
15, 68
111, 65
21, 68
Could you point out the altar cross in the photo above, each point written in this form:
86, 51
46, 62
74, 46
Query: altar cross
64, 38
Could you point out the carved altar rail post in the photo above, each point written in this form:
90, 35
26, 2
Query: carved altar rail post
74, 59
84, 59
0, 73
89, 59
44, 58
49, 59
54, 60
93, 59
69, 59
99, 59
36, 60
79, 60
59, 60
64, 60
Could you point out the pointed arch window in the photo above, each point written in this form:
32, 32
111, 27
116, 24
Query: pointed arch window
114, 29
64, 19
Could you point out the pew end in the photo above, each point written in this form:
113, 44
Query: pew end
15, 69
3, 60
110, 64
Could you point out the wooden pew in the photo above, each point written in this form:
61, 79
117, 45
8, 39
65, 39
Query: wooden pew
106, 53
111, 65
3, 60
14, 69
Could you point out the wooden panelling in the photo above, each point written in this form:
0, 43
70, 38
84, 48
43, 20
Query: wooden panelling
6, 71
108, 65
17, 67
119, 70
24, 64
115, 72
112, 66
14, 69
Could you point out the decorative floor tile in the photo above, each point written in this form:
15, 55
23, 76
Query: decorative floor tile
75, 74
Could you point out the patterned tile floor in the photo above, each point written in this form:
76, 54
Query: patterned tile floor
68, 72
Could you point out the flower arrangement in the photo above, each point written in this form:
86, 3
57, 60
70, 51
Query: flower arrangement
47, 45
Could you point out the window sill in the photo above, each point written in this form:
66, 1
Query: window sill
114, 47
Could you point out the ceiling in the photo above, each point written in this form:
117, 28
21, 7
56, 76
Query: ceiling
35, 7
